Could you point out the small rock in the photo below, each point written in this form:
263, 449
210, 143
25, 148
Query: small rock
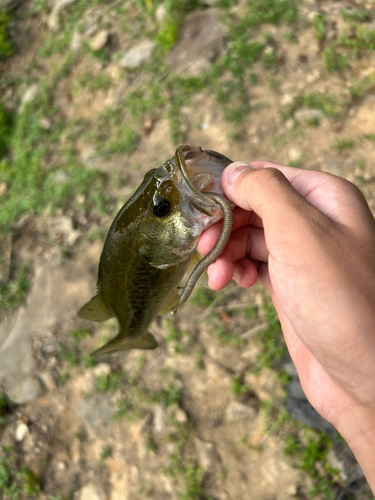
138, 55
75, 44
3, 187
206, 453
313, 76
101, 369
90, 492
294, 153
21, 432
307, 114
28, 96
99, 40
181, 416
96, 412
61, 225
161, 13
286, 99
24, 391
159, 419
200, 42
236, 411
60, 177
47, 380
45, 123
53, 21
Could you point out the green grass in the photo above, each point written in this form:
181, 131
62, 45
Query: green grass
329, 105
6, 122
108, 382
238, 387
342, 145
270, 342
15, 481
333, 60
308, 449
320, 26
13, 292
6, 46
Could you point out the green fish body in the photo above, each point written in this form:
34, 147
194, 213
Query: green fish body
148, 249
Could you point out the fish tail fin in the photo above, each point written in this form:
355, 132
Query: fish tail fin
119, 343
95, 310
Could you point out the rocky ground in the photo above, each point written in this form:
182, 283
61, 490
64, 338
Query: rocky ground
92, 96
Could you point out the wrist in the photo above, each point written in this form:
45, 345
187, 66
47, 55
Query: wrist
357, 427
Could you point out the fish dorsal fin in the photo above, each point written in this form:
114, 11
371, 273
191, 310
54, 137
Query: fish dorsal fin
203, 279
119, 343
95, 310
170, 304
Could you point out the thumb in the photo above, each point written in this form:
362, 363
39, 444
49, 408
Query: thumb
268, 193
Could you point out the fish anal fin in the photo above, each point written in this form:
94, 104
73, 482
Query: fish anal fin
194, 261
170, 304
95, 310
119, 343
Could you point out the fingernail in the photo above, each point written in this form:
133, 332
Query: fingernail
238, 272
237, 171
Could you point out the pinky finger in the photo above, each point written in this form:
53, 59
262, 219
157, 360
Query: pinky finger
245, 272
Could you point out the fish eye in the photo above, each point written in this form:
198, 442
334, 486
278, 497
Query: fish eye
161, 208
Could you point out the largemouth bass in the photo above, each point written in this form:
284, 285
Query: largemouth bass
152, 242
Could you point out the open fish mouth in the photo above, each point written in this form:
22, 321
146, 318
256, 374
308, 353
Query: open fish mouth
196, 172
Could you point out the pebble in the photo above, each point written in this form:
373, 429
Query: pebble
25, 390
294, 153
101, 369
159, 424
138, 55
307, 114
62, 224
286, 99
236, 412
90, 492
45, 123
181, 416
53, 20
28, 96
3, 187
161, 13
99, 40
21, 432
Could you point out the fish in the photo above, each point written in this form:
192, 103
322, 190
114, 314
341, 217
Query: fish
151, 245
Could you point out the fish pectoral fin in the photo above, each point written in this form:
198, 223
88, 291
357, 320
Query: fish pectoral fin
170, 304
119, 343
95, 310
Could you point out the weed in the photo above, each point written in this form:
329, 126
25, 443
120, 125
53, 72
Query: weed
226, 337
330, 106
189, 474
169, 395
271, 11
271, 341
370, 137
108, 382
342, 145
361, 14
5, 130
6, 47
105, 453
126, 410
333, 60
16, 481
13, 292
238, 386
320, 25
359, 88
362, 40
307, 450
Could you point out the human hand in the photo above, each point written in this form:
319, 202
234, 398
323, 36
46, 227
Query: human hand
309, 237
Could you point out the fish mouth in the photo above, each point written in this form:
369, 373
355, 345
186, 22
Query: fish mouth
197, 172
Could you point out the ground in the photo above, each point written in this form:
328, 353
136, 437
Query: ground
92, 96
